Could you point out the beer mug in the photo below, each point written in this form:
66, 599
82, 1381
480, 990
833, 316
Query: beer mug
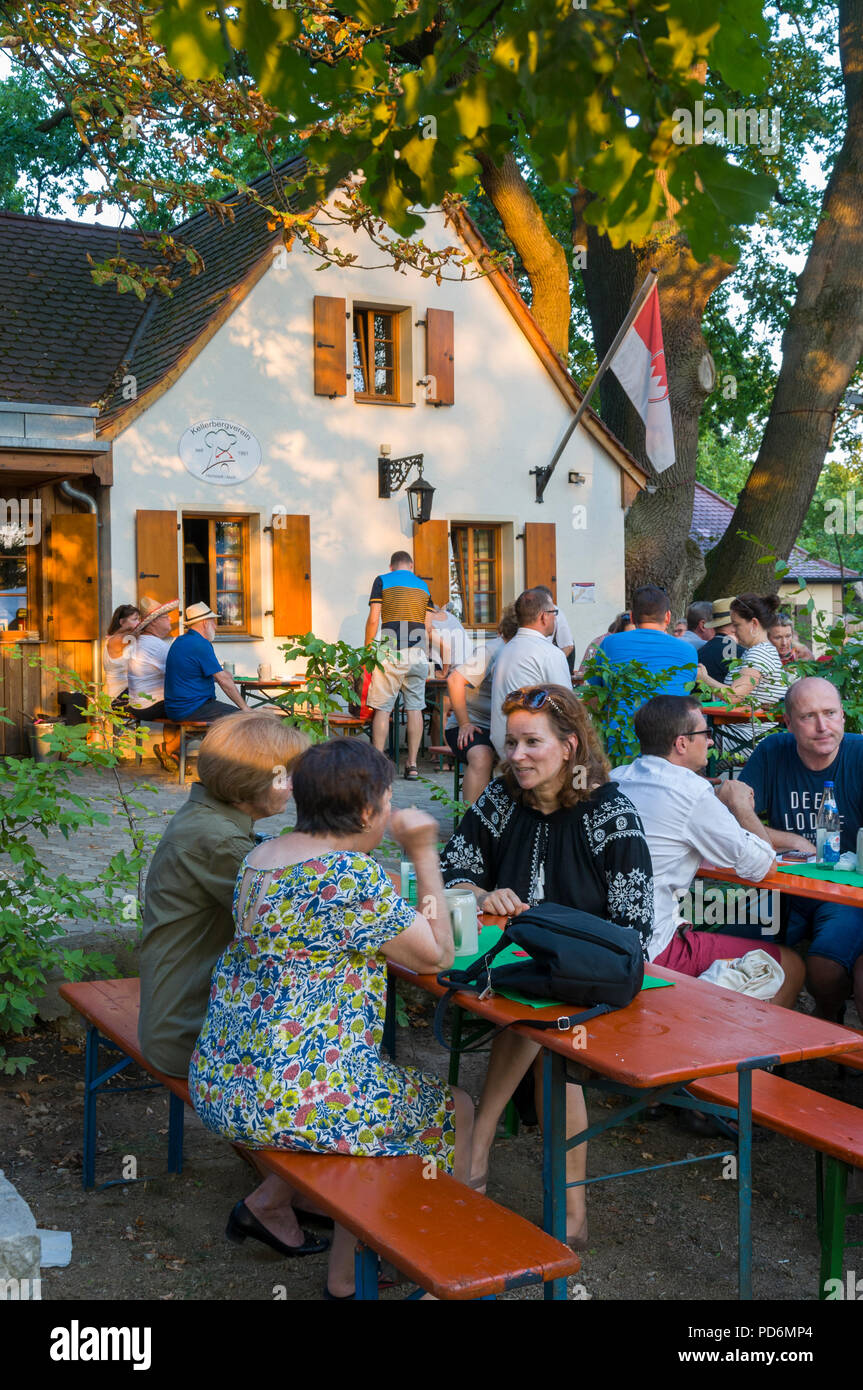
463, 913
265, 673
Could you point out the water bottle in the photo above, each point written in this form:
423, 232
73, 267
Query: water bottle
408, 882
827, 833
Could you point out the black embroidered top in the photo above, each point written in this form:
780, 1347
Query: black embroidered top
592, 855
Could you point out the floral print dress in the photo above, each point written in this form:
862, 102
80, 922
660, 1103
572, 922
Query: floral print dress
288, 1055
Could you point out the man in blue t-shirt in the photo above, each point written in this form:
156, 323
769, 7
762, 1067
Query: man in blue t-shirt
670, 658
787, 773
193, 671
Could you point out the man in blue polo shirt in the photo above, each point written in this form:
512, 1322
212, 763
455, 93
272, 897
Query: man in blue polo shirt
787, 773
401, 605
193, 671
670, 658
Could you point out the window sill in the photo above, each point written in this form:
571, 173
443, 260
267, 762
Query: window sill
237, 637
372, 400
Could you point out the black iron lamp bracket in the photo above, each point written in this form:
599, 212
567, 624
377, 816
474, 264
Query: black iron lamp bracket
393, 472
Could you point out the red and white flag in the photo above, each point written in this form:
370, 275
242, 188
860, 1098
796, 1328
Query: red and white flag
639, 365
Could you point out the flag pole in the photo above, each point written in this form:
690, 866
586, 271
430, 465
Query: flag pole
544, 474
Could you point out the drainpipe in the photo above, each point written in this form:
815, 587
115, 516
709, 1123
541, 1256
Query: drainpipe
78, 495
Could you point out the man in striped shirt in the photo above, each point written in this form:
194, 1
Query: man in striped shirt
400, 602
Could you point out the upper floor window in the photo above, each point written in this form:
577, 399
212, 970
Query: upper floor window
376, 355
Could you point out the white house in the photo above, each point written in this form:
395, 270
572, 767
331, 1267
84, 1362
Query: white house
230, 438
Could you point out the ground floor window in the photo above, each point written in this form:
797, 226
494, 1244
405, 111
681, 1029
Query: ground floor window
476, 556
216, 568
16, 605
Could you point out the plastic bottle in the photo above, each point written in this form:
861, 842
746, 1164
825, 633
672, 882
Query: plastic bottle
408, 882
827, 831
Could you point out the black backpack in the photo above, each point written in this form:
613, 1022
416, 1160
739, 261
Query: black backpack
572, 956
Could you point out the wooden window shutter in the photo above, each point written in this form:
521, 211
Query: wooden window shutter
540, 555
440, 357
292, 575
331, 352
156, 552
431, 558
75, 577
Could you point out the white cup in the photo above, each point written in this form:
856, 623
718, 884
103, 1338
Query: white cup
463, 914
265, 673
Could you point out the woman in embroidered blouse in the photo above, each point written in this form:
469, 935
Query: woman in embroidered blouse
552, 828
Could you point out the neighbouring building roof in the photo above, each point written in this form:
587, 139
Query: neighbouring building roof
65, 340
710, 517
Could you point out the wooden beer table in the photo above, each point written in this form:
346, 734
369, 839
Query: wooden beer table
249, 687
647, 1053
826, 889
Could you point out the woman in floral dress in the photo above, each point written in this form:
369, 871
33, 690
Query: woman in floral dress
553, 828
289, 1052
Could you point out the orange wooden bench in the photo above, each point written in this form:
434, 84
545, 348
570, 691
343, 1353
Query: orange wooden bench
831, 1127
449, 1240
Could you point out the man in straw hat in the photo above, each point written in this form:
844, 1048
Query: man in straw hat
149, 647
193, 671
720, 650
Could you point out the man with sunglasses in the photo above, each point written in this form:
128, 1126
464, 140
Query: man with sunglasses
531, 658
685, 822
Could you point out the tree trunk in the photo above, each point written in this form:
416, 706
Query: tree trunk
821, 348
542, 255
658, 549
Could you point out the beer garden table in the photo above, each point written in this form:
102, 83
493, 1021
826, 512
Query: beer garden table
647, 1053
250, 687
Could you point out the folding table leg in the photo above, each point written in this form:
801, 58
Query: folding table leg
389, 1038
91, 1071
176, 1111
455, 1044
832, 1232
366, 1274
554, 1157
744, 1184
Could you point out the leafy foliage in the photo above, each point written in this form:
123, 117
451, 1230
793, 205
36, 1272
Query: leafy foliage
37, 906
332, 680
611, 704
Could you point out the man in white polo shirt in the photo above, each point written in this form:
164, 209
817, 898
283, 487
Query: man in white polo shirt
531, 658
684, 822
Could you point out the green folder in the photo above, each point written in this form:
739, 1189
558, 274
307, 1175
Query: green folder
489, 936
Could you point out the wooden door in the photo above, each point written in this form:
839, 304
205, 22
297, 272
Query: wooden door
292, 575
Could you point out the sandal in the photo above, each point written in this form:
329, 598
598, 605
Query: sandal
164, 757
411, 773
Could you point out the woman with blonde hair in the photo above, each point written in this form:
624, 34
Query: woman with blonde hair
551, 828
244, 767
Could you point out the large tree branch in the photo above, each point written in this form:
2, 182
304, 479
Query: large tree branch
542, 255
821, 347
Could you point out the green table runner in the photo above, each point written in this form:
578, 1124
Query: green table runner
849, 876
489, 936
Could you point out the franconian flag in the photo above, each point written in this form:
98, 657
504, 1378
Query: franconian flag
639, 365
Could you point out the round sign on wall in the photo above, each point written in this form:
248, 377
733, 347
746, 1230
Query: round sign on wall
220, 452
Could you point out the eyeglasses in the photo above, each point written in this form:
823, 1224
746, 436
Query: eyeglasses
532, 699
551, 610
693, 733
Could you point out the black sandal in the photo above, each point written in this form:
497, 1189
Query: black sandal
411, 773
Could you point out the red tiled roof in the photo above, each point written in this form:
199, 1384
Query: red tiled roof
710, 517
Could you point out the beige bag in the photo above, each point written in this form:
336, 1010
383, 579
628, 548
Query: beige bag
756, 974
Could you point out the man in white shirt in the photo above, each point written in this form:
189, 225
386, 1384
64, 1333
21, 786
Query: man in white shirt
684, 822
562, 636
531, 658
149, 647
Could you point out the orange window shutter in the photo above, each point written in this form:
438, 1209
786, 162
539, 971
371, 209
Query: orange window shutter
431, 558
75, 577
331, 353
157, 570
440, 357
292, 575
540, 555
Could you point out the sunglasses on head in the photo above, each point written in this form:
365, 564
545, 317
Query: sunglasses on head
532, 699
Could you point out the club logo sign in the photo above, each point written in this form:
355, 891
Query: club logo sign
220, 452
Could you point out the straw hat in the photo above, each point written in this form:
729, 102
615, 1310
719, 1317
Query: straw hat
721, 612
152, 610
198, 613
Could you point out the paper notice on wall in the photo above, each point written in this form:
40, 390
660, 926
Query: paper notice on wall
583, 592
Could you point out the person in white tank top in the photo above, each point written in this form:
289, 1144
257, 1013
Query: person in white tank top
115, 650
